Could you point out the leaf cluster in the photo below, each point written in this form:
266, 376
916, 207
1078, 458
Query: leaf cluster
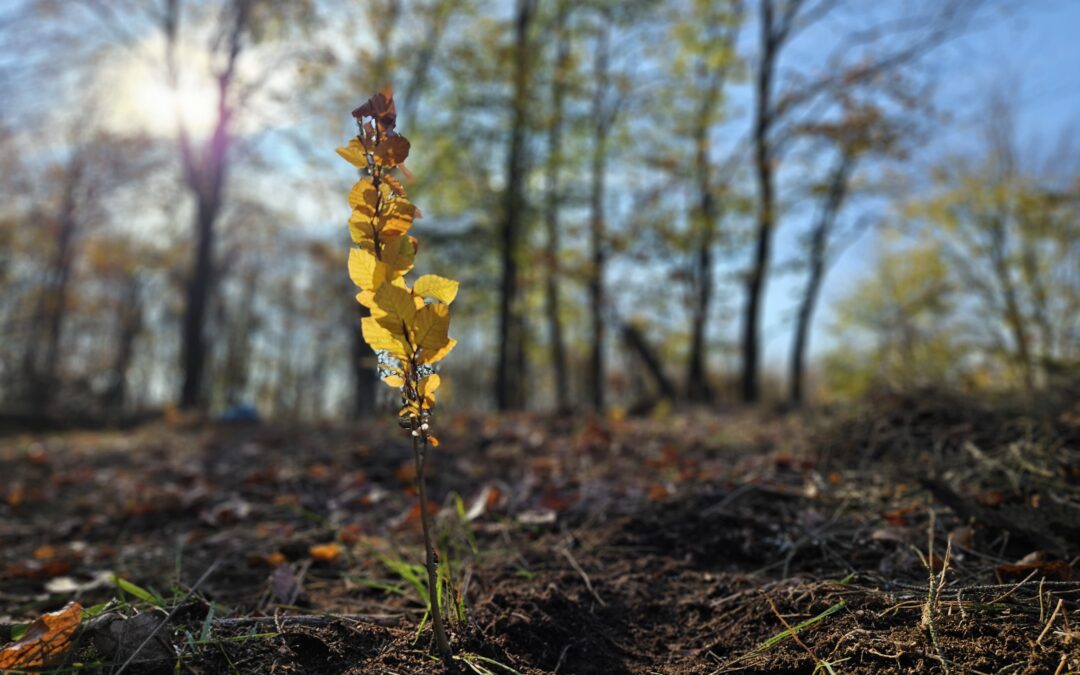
408, 324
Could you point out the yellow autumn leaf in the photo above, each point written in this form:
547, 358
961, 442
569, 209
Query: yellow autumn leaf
364, 197
426, 388
398, 253
428, 357
381, 339
431, 327
397, 308
437, 288
361, 227
395, 381
366, 298
354, 154
365, 270
396, 218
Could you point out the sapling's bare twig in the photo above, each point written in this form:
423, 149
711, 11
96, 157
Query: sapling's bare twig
430, 558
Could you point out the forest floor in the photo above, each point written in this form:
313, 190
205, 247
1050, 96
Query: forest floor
697, 543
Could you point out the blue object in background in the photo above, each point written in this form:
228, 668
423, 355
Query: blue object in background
241, 413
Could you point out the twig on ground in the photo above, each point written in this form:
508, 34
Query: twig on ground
794, 634
585, 577
308, 620
1050, 621
1061, 664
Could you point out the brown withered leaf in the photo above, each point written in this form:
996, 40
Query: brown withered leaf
392, 151
395, 185
47, 638
379, 107
1039, 563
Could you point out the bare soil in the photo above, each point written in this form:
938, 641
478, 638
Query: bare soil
733, 542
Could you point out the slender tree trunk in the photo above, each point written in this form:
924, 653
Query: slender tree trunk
43, 371
553, 205
236, 372
365, 370
819, 239
598, 246
205, 170
1039, 296
763, 170
698, 388
285, 374
58, 306
637, 343
509, 375
199, 283
129, 324
706, 216
1014, 317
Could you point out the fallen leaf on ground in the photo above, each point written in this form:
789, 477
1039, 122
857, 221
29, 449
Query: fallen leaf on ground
46, 638
658, 493
1036, 562
325, 552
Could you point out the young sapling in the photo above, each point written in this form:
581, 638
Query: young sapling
408, 325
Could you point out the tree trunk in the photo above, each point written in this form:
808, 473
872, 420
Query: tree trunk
1039, 297
365, 371
198, 294
697, 373
637, 343
236, 371
509, 373
755, 285
819, 240
1014, 317
43, 371
205, 170
598, 246
553, 204
129, 325
698, 388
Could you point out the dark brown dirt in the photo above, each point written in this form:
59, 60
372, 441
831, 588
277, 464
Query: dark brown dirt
680, 545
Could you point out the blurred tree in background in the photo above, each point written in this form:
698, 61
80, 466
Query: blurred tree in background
978, 287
